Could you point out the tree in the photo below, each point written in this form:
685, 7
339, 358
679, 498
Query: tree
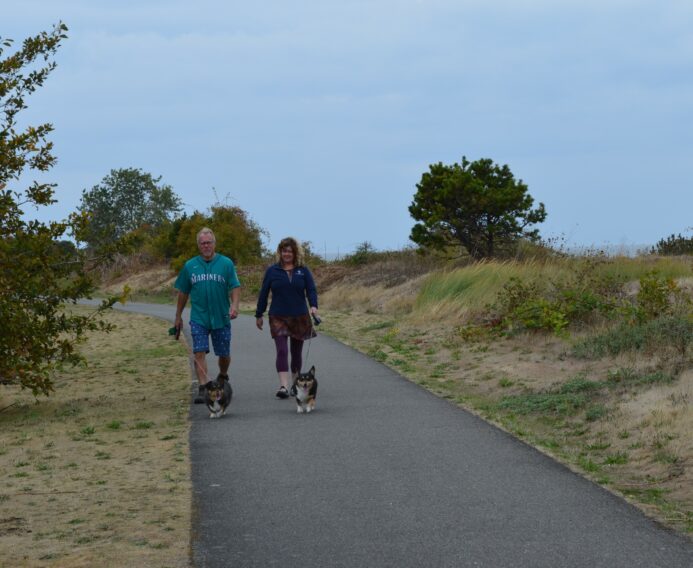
478, 205
127, 200
364, 252
38, 271
237, 236
673, 245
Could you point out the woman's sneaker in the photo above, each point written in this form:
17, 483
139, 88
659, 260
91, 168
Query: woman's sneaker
200, 398
282, 393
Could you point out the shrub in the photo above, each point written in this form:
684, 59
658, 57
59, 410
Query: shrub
538, 313
674, 245
668, 332
655, 296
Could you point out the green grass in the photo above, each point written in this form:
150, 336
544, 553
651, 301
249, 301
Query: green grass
377, 326
664, 331
554, 403
619, 458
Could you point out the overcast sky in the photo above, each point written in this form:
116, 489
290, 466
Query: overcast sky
319, 117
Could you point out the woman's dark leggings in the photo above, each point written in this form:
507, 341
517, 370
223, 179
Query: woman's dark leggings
283, 354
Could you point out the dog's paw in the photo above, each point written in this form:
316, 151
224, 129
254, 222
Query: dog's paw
212, 415
308, 408
299, 410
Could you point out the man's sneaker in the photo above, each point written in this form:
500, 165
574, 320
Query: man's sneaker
200, 398
292, 390
282, 393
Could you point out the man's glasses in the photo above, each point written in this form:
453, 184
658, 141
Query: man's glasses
206, 242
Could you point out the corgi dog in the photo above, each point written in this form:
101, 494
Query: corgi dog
218, 394
306, 388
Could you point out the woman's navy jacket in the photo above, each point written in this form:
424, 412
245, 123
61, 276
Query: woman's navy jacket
288, 296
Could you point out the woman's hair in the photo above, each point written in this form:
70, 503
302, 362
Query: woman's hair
295, 246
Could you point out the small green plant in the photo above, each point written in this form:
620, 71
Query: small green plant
114, 425
555, 403
595, 412
588, 465
377, 326
87, 430
666, 457
378, 354
619, 458
143, 425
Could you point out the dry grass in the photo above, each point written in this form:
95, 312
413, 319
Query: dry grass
99, 474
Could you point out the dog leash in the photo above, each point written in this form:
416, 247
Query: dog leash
314, 320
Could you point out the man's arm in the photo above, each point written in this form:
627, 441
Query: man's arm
182, 300
235, 302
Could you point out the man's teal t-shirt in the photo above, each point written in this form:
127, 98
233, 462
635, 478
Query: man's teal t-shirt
208, 284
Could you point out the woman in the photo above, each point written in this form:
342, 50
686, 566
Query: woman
291, 283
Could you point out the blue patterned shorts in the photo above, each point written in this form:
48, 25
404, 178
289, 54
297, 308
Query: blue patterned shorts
221, 339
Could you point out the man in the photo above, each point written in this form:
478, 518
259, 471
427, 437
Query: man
208, 279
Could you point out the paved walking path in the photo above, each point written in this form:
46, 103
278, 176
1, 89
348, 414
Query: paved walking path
384, 474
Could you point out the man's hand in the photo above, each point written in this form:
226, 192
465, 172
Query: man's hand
258, 323
233, 313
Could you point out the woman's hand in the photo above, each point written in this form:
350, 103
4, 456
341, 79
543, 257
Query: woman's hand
313, 311
258, 323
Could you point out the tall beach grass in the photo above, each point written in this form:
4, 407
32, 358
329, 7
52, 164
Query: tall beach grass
471, 288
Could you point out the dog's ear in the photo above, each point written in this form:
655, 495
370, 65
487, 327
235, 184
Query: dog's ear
312, 371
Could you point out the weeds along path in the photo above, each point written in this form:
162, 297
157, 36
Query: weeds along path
385, 474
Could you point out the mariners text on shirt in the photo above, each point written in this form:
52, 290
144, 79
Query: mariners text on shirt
202, 277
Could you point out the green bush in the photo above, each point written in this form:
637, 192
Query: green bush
655, 296
538, 313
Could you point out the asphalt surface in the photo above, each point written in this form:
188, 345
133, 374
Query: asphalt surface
384, 474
